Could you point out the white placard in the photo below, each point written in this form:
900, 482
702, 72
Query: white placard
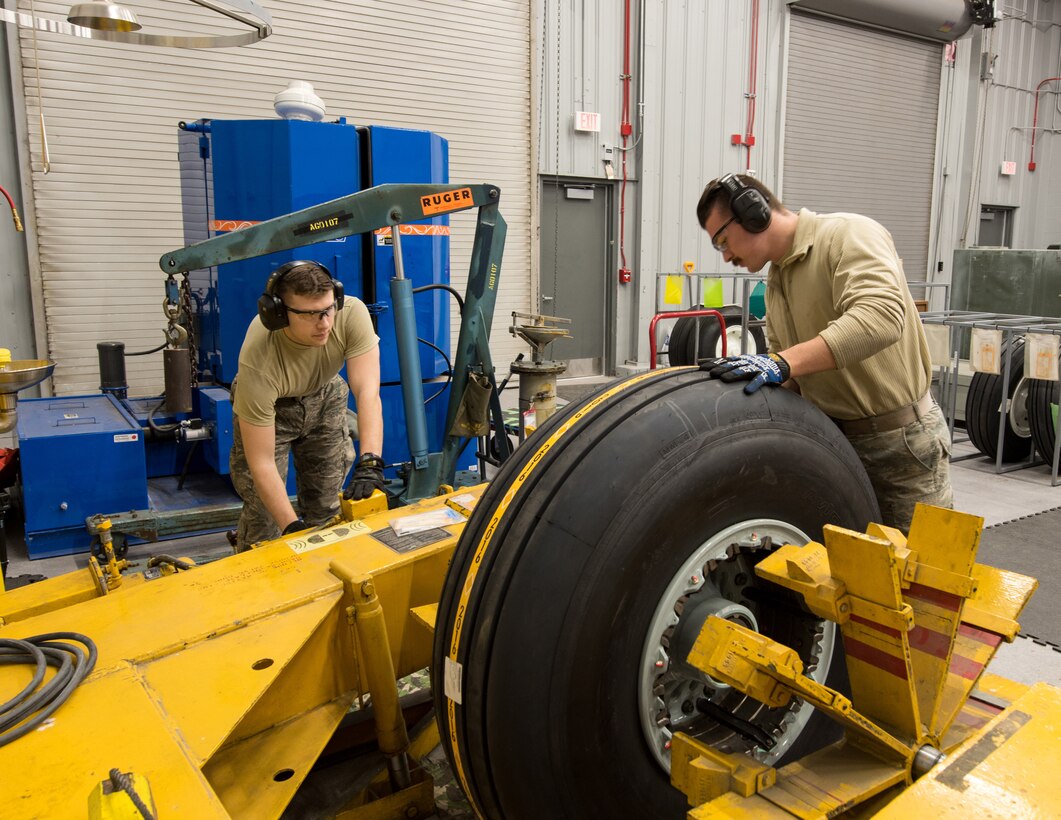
1040, 356
430, 520
938, 337
985, 352
451, 680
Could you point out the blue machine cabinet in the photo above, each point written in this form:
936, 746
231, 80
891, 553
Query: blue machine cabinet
235, 172
402, 155
85, 455
80, 455
238, 172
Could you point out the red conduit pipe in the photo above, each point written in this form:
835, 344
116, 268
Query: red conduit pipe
625, 129
1035, 119
753, 70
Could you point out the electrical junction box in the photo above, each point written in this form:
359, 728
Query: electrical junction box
80, 455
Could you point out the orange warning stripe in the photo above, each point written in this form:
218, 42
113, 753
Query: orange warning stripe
231, 224
416, 230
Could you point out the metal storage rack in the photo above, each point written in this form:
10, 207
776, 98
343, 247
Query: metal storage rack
695, 293
1011, 326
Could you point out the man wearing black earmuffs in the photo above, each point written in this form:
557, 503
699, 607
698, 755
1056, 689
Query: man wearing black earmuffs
288, 396
843, 330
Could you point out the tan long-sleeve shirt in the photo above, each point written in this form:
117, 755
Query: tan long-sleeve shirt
843, 280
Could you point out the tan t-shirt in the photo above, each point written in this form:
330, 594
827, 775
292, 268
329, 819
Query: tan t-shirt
843, 280
272, 367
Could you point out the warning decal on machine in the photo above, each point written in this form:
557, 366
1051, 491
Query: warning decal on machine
127, 437
324, 537
383, 235
412, 541
446, 201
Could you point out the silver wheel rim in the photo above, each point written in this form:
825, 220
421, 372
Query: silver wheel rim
734, 333
1018, 409
666, 687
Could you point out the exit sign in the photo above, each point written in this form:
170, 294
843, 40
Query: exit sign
1009, 168
587, 121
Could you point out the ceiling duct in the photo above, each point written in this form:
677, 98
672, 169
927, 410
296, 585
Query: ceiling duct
941, 20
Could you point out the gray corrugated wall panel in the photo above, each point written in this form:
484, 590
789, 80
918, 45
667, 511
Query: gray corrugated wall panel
696, 79
1027, 54
590, 62
111, 205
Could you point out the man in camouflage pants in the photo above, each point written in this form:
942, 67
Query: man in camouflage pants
288, 396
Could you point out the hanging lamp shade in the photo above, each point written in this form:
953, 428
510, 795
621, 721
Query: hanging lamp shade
103, 15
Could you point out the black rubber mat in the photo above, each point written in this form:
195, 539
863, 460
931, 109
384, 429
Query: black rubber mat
1031, 546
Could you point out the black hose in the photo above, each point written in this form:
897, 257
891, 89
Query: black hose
187, 464
504, 384
161, 429
448, 289
32, 706
145, 352
449, 370
178, 563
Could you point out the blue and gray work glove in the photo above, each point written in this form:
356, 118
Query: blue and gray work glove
367, 476
756, 369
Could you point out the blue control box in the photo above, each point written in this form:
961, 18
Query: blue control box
80, 455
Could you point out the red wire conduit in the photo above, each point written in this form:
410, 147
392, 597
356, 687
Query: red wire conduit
1035, 119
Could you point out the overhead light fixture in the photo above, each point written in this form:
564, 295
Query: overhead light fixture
105, 15
106, 20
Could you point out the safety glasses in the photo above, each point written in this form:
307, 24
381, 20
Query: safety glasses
313, 315
718, 242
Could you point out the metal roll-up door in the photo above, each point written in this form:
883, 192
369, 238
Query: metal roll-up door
111, 204
860, 128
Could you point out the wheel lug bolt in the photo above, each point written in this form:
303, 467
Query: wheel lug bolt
695, 579
659, 664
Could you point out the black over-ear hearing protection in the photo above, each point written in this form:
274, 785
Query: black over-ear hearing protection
748, 205
272, 311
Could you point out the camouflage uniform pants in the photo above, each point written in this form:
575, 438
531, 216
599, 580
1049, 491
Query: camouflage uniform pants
908, 465
313, 429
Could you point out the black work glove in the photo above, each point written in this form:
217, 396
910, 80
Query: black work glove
756, 369
295, 526
367, 476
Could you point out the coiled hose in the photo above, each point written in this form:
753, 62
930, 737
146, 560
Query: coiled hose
36, 703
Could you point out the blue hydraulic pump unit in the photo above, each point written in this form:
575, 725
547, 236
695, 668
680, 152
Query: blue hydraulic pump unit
236, 173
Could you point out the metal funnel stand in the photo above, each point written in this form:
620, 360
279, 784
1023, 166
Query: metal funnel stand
18, 375
537, 378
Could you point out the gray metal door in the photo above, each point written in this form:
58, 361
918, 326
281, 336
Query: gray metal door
574, 264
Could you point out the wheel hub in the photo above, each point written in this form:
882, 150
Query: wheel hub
698, 608
718, 579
